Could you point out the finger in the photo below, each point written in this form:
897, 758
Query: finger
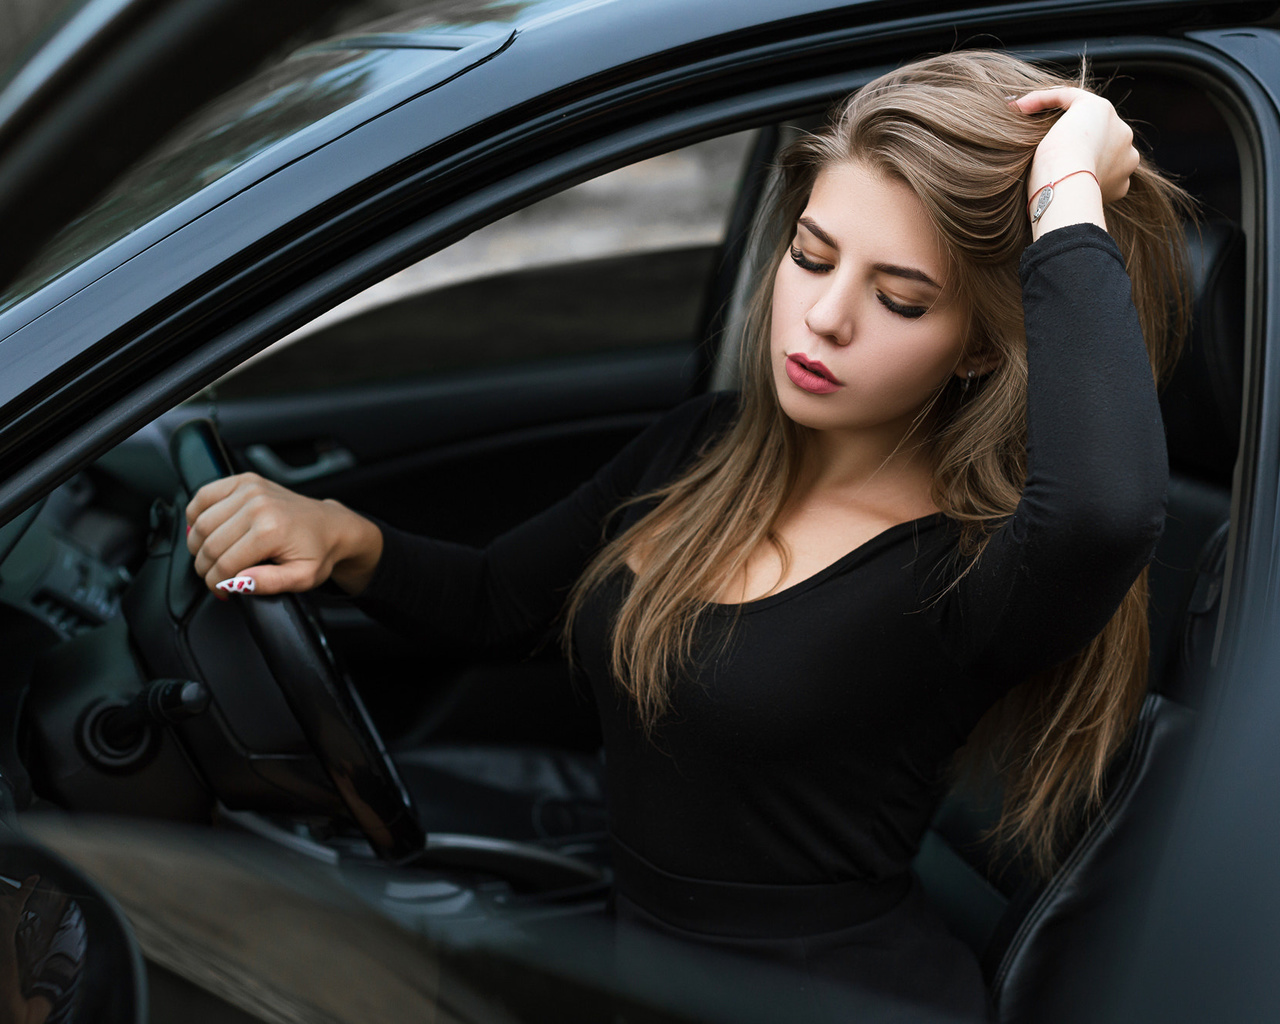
237, 545
219, 527
210, 494
255, 549
290, 578
212, 519
1047, 99
233, 530
219, 502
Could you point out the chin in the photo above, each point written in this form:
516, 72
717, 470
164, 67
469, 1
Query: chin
812, 411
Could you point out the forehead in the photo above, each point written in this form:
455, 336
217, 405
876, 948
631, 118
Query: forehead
871, 215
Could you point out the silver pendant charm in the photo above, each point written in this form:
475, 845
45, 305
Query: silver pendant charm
1042, 203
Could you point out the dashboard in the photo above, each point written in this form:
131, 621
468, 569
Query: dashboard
46, 575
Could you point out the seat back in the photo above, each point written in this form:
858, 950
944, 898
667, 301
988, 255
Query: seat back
1061, 942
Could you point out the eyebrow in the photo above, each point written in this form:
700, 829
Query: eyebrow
909, 273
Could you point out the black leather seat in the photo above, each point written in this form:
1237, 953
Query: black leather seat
1046, 946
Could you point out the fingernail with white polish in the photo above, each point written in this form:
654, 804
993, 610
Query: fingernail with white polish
236, 585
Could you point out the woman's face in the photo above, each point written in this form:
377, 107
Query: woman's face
865, 325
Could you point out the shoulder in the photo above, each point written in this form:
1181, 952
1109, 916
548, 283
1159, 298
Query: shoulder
701, 415
671, 443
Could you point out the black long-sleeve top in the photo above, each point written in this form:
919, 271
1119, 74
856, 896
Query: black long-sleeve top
811, 748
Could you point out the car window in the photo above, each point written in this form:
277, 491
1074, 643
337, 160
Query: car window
291, 99
619, 263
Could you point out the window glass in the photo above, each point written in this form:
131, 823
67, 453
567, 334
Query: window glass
619, 262
279, 102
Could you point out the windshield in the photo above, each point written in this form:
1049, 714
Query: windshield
307, 87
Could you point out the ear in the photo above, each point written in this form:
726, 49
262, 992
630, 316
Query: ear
979, 355
981, 365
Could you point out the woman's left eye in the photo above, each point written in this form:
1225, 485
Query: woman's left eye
910, 312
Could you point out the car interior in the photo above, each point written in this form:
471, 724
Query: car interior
390, 410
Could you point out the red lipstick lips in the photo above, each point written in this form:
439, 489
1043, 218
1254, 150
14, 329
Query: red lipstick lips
811, 376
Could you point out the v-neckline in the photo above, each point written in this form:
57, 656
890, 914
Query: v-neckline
868, 548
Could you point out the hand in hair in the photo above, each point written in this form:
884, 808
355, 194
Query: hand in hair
247, 526
1089, 135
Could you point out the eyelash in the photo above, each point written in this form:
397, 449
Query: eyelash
804, 263
910, 312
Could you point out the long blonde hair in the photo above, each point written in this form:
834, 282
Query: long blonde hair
942, 126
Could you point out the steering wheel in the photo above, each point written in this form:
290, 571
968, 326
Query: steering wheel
321, 698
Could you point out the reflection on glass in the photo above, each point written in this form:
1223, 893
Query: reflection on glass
228, 133
42, 952
237, 127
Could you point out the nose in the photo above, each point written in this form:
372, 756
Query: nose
831, 316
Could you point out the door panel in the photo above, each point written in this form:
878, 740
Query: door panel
468, 393
463, 459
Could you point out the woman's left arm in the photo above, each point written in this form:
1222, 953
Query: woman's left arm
1092, 506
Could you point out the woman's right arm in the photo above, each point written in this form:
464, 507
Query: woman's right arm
506, 594
1092, 505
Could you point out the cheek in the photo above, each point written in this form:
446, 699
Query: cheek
915, 366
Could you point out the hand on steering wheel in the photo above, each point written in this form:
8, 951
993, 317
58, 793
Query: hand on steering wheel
247, 526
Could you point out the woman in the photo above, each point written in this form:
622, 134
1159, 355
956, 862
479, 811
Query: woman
795, 605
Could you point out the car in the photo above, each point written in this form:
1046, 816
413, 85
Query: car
438, 260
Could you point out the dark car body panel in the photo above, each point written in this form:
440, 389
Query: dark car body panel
1258, 478
89, 100
492, 108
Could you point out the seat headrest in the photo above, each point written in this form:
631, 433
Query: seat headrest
1202, 401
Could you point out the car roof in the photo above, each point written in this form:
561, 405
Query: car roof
100, 82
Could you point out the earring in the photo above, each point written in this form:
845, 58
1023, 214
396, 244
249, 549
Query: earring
968, 379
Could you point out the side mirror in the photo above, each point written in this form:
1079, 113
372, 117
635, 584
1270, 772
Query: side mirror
73, 956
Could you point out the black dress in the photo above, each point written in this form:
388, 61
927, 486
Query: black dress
777, 808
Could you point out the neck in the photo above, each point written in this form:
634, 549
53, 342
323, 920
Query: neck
888, 462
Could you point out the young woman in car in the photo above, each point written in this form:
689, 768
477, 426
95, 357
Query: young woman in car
943, 477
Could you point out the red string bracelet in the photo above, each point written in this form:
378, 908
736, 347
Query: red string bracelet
1045, 192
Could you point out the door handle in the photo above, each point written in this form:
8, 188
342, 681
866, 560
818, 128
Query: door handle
332, 460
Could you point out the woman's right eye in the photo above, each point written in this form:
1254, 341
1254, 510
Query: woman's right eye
804, 263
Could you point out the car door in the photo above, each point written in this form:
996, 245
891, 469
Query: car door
477, 387
88, 87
